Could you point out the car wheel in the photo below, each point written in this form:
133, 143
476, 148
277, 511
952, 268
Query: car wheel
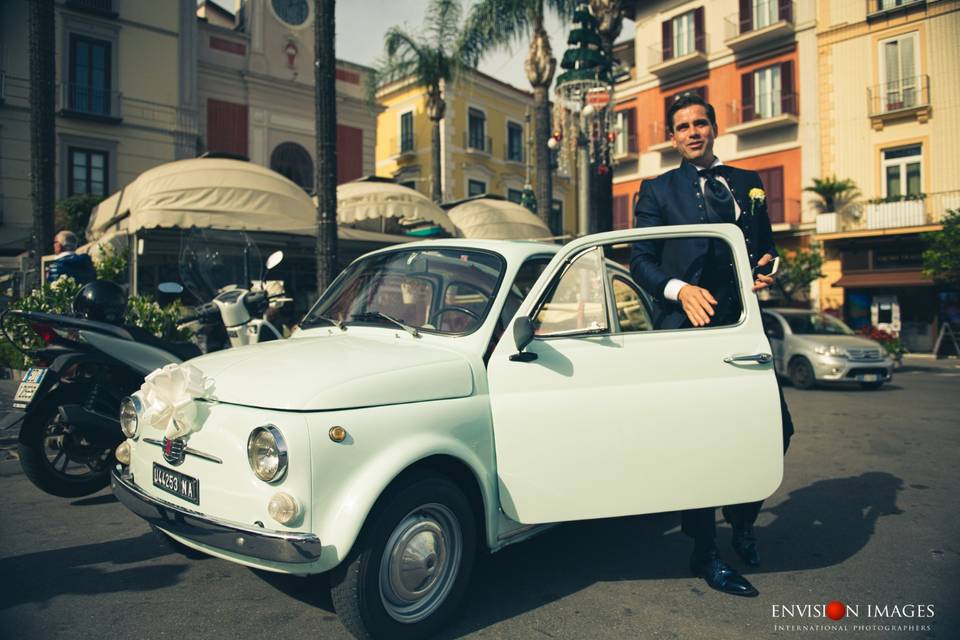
801, 374
409, 570
871, 385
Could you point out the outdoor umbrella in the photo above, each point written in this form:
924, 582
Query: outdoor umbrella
494, 219
370, 199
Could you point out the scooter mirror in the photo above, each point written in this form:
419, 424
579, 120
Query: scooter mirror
275, 258
174, 288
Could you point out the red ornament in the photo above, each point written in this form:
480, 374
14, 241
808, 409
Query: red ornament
836, 610
612, 136
602, 170
558, 135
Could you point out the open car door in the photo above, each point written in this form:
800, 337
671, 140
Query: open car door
595, 420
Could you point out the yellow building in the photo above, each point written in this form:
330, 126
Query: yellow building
889, 106
126, 99
484, 140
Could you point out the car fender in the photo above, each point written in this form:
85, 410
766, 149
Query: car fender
349, 477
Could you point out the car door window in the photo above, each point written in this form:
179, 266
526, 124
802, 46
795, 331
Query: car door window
632, 315
772, 327
577, 300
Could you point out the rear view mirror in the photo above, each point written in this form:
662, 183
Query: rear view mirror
522, 335
275, 258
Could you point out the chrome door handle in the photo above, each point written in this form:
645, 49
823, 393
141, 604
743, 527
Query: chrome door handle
759, 358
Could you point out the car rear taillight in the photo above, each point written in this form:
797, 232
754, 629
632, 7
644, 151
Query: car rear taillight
45, 332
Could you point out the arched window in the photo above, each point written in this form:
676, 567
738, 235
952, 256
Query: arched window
291, 160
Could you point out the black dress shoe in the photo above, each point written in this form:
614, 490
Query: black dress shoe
745, 544
720, 576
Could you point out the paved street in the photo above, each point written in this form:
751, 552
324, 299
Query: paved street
866, 515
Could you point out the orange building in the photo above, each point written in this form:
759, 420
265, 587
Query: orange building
755, 62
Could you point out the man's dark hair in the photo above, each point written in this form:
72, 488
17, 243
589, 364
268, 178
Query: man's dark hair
685, 100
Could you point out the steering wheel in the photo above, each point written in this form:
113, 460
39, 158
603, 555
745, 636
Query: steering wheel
453, 307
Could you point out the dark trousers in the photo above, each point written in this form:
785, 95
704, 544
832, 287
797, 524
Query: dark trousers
700, 524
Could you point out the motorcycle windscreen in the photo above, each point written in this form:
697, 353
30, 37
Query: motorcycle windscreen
213, 260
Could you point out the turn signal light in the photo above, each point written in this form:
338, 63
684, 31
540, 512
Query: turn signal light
283, 508
123, 453
44, 331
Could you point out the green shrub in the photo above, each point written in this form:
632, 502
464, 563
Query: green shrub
112, 265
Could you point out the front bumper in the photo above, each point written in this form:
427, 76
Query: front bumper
836, 369
261, 544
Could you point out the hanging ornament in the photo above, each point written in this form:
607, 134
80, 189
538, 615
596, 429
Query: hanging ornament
612, 136
602, 169
552, 144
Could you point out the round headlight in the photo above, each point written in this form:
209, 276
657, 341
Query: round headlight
267, 453
129, 415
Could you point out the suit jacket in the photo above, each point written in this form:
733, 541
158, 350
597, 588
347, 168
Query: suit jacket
676, 198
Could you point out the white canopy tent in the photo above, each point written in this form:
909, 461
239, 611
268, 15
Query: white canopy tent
495, 219
371, 199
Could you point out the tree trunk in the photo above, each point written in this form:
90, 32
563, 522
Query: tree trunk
325, 89
42, 128
541, 156
435, 160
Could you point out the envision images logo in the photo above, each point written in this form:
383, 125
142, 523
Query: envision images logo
839, 616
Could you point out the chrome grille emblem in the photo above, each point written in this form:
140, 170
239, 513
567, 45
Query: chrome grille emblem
174, 451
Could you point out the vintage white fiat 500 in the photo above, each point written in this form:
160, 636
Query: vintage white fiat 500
448, 396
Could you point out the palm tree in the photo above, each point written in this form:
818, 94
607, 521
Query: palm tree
325, 71
433, 60
494, 23
836, 196
42, 127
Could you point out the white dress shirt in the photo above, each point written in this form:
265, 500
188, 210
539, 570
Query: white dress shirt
672, 289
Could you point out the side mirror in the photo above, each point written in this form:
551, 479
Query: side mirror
522, 335
275, 258
172, 288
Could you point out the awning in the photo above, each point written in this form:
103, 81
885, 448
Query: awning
878, 279
366, 200
494, 219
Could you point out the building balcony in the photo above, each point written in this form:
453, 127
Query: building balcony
660, 139
772, 111
672, 64
403, 146
768, 22
879, 217
514, 155
477, 144
98, 7
902, 99
86, 102
877, 9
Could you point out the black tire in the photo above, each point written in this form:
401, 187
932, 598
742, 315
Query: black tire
801, 373
91, 465
871, 386
368, 599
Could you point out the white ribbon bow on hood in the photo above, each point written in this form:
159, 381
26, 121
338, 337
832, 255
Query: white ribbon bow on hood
167, 396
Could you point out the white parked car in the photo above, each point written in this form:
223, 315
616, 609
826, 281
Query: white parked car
448, 396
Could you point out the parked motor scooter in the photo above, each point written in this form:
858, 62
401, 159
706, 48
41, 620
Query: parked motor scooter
68, 402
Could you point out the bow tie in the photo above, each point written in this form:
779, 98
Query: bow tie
714, 172
717, 196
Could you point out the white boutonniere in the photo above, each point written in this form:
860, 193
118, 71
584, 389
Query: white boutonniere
757, 196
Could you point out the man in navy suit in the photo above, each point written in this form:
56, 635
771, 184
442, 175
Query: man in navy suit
693, 283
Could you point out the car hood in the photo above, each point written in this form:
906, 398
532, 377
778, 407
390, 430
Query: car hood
336, 372
846, 342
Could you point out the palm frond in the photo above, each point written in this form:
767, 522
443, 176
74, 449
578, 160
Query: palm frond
443, 23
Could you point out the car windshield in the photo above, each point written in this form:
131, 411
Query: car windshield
816, 324
438, 290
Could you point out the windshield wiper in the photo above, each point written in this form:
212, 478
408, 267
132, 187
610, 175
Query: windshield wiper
376, 315
337, 323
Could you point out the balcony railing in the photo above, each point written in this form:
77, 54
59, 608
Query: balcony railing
659, 138
768, 20
900, 95
483, 144
86, 101
880, 8
767, 111
925, 210
513, 155
659, 64
405, 144
102, 7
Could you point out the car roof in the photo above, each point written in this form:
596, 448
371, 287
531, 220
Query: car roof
512, 250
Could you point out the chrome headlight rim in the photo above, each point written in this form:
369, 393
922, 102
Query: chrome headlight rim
281, 447
132, 402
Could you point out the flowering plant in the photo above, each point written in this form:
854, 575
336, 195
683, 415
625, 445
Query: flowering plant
757, 196
890, 342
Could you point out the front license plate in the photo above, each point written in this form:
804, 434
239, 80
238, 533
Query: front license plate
28, 387
176, 483
868, 377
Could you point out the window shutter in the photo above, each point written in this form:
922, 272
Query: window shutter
784, 10
700, 35
621, 212
667, 28
630, 118
226, 127
666, 122
349, 153
907, 61
746, 16
788, 99
772, 180
746, 97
